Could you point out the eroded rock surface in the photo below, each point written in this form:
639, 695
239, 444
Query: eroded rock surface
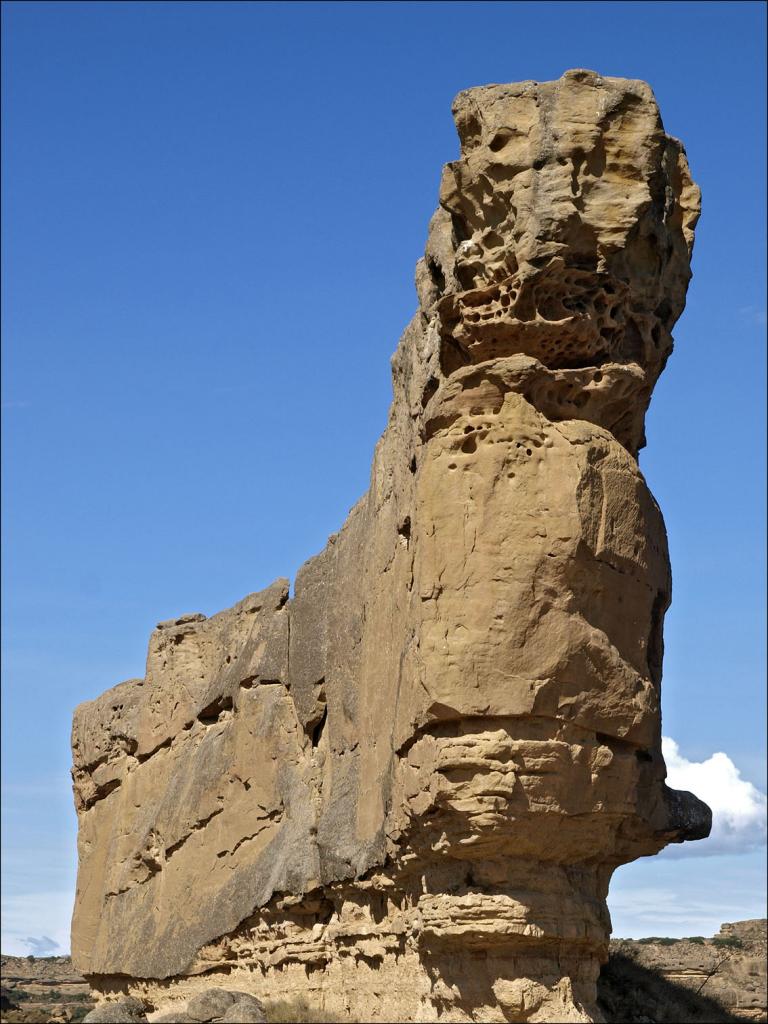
405, 789
674, 981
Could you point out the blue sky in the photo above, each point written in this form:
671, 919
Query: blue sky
211, 216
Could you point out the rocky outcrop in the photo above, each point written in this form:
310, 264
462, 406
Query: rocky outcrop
672, 981
36, 989
211, 1006
405, 788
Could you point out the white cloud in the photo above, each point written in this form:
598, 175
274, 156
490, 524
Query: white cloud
738, 807
45, 915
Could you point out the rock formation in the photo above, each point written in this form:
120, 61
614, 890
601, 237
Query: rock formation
211, 1006
404, 790
672, 981
36, 989
669, 981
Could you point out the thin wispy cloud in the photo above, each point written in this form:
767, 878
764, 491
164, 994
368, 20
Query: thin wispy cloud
42, 946
738, 807
36, 923
754, 315
687, 907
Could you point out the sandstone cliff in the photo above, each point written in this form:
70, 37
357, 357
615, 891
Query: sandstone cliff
407, 786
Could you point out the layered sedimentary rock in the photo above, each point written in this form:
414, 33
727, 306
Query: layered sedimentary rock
37, 989
404, 790
720, 979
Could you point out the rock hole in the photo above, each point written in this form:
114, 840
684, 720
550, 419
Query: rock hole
437, 275
499, 141
632, 343
459, 228
316, 730
211, 714
404, 530
374, 960
429, 389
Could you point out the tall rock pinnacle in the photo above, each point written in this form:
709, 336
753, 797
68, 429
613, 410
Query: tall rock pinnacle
402, 793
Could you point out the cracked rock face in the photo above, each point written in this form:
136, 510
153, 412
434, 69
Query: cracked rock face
404, 790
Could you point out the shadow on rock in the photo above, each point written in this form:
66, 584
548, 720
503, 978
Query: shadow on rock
631, 994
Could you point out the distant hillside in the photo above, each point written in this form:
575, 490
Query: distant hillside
36, 990
677, 981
